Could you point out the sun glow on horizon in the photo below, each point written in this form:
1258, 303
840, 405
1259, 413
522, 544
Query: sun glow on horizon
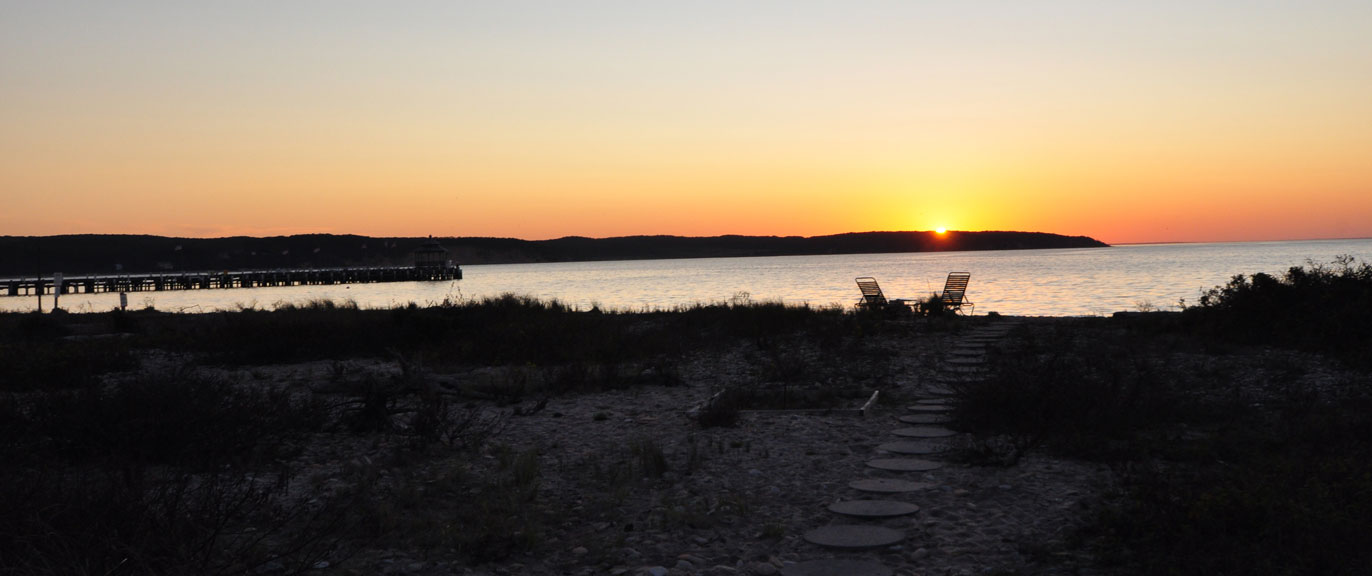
941, 230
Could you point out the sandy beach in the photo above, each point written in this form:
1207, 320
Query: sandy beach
718, 440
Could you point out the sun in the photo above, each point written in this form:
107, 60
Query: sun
941, 230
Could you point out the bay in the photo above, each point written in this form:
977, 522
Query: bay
1064, 282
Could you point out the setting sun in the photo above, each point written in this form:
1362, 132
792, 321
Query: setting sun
941, 230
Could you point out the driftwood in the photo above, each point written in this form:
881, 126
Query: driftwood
870, 402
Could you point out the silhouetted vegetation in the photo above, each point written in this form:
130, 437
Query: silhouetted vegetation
153, 443
1231, 456
156, 473
1316, 307
1079, 395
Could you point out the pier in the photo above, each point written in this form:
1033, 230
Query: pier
154, 282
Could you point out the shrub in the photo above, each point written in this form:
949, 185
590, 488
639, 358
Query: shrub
1289, 496
1316, 307
174, 417
1083, 398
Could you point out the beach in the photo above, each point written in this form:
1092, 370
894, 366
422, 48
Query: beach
515, 436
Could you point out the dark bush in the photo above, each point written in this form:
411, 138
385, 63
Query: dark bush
1290, 496
172, 418
1083, 398
60, 364
1319, 308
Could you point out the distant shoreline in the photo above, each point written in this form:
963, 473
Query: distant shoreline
117, 253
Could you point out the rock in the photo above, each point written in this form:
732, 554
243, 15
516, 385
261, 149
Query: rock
656, 571
273, 567
693, 559
580, 551
685, 565
762, 569
920, 554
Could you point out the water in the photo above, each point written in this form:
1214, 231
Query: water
1069, 282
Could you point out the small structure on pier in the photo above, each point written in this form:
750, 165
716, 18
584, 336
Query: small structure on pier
431, 261
431, 254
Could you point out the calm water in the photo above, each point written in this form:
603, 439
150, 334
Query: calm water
1073, 282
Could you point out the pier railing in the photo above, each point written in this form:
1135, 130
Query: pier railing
95, 284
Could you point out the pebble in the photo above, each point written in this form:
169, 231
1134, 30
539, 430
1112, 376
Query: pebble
762, 569
734, 499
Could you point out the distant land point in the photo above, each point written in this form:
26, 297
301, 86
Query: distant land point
126, 253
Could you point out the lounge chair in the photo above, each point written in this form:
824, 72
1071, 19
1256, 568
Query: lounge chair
954, 294
871, 293
872, 297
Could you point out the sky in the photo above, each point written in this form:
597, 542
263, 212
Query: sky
1162, 121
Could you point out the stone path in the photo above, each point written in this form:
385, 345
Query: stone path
965, 362
924, 419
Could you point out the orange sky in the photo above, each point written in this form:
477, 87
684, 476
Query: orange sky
1171, 122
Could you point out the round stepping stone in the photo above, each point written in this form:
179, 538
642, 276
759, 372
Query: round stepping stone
873, 508
930, 408
888, 485
924, 432
836, 567
854, 537
913, 448
904, 464
929, 418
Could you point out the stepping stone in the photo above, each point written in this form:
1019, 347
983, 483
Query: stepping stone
930, 408
931, 401
904, 464
854, 537
888, 485
961, 361
836, 567
940, 391
929, 418
873, 508
924, 432
914, 448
